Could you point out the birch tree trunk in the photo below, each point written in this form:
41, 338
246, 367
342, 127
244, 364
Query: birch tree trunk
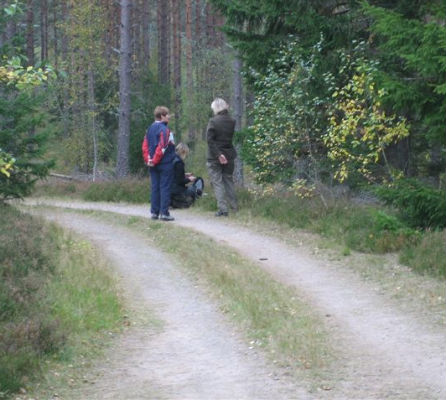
237, 105
122, 167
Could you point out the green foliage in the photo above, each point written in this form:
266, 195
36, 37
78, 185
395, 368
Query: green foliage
419, 205
14, 74
6, 163
411, 45
284, 141
360, 131
428, 256
258, 28
22, 136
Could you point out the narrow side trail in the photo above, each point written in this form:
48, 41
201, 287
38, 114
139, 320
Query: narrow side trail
386, 354
194, 354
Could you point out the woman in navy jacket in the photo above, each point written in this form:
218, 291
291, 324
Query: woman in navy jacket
185, 186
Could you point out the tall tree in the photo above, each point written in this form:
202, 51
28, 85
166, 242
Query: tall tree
145, 33
163, 49
237, 105
30, 32
44, 29
122, 166
176, 38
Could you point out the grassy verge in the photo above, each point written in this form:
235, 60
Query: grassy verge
56, 300
274, 317
130, 191
368, 229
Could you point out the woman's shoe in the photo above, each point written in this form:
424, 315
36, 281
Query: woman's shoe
220, 213
166, 218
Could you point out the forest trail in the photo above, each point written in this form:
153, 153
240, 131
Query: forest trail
387, 354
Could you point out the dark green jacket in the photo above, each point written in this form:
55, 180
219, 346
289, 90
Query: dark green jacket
220, 132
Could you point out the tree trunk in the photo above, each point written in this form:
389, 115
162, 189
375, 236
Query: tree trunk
56, 35
197, 23
92, 118
64, 44
122, 167
163, 50
176, 37
30, 32
43, 30
189, 43
210, 31
189, 77
237, 105
145, 35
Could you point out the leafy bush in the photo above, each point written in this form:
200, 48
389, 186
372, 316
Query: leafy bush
284, 140
420, 206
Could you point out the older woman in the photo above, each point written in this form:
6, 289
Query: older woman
221, 156
186, 188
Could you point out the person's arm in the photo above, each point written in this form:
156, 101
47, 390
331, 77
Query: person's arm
145, 151
179, 175
211, 135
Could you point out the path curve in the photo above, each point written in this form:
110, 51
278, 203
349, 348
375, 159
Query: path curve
390, 354
194, 355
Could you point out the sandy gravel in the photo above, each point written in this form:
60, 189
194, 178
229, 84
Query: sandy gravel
385, 354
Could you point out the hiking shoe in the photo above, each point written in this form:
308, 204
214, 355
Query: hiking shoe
220, 213
166, 218
154, 216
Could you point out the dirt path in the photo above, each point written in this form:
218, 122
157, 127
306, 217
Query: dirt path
386, 354
195, 354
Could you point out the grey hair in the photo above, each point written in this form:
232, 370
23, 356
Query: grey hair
218, 105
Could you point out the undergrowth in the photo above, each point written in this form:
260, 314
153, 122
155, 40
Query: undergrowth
53, 295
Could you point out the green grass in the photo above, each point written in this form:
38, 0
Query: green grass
428, 256
56, 299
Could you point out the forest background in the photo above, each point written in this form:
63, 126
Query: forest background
323, 92
340, 129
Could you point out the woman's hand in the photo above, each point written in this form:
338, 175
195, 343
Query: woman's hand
222, 159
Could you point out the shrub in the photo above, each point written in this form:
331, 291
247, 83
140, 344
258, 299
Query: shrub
420, 206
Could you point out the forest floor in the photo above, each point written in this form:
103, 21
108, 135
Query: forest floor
390, 348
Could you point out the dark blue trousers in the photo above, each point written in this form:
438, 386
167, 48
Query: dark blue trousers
161, 177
